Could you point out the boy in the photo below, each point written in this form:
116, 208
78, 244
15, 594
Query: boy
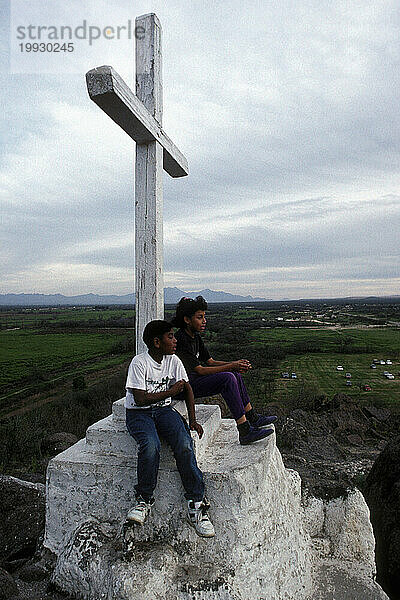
154, 379
208, 376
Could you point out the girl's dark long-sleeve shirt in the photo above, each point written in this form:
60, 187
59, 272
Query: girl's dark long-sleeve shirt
191, 350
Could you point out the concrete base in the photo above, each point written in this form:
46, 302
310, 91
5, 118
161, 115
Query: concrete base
268, 546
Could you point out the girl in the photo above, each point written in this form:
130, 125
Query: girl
209, 377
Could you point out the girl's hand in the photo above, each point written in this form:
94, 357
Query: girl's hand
241, 365
196, 427
246, 363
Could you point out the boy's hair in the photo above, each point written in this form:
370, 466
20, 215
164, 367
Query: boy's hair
155, 329
187, 307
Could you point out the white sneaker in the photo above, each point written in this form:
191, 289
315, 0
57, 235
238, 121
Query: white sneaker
198, 518
139, 512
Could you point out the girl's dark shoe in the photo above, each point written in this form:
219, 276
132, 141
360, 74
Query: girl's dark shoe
263, 421
253, 435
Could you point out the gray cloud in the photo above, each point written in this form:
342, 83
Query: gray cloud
289, 117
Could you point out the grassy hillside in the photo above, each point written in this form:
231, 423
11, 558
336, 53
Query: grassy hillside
29, 354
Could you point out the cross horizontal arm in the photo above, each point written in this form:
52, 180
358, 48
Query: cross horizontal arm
109, 91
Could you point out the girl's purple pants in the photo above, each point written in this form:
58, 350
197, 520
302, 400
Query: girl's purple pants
230, 385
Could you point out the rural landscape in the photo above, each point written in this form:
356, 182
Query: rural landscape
329, 369
62, 367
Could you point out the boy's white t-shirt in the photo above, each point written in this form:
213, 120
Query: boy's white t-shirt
147, 374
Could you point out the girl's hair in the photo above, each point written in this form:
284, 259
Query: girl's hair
187, 307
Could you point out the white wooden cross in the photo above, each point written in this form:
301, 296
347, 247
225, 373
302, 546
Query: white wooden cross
140, 116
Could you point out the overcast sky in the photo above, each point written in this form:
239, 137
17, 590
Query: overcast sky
288, 114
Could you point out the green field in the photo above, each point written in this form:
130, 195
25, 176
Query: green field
314, 354
37, 317
319, 371
377, 341
27, 353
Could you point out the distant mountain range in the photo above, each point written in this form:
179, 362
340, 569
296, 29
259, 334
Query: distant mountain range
171, 296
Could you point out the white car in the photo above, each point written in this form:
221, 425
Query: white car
339, 368
390, 376
382, 362
389, 362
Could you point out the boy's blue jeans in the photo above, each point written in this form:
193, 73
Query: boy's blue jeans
146, 426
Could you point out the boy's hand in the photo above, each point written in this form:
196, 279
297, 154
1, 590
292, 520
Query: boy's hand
177, 388
196, 427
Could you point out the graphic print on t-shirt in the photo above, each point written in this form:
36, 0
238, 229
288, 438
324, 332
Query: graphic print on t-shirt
160, 386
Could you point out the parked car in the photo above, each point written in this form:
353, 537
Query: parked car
373, 366
339, 368
294, 376
285, 375
348, 375
389, 362
348, 382
382, 362
366, 387
376, 360
390, 376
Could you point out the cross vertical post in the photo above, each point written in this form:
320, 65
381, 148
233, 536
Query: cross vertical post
149, 183
140, 116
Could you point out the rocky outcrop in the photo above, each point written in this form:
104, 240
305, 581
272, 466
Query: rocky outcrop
342, 548
333, 446
382, 492
22, 508
8, 587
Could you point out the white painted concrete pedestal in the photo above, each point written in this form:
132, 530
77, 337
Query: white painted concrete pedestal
267, 545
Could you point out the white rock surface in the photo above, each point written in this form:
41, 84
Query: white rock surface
268, 546
343, 545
